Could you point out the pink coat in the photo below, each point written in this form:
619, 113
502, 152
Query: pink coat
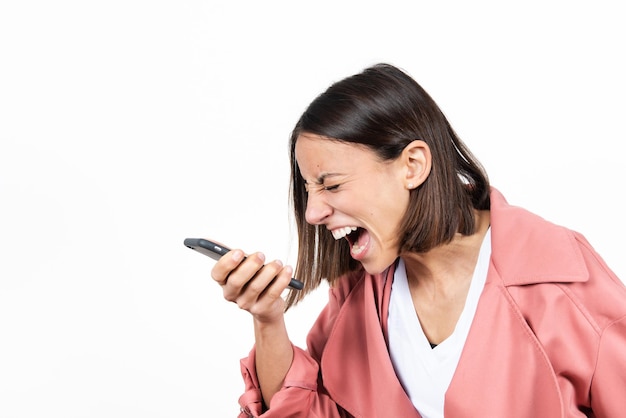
548, 339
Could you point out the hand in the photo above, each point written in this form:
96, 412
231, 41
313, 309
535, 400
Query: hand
254, 286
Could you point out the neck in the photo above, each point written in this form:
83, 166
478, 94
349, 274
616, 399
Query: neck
448, 266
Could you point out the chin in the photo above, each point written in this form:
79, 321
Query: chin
377, 266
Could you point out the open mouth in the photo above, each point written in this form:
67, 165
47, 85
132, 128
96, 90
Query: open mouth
357, 237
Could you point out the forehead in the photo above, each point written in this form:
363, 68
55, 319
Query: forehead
316, 154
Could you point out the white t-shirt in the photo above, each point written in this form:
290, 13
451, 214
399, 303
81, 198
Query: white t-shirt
425, 372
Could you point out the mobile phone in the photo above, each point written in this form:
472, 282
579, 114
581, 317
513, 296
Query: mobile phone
216, 251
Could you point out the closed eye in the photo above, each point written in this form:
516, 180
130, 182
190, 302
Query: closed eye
320, 187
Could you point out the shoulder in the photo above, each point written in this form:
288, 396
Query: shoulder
602, 297
346, 284
546, 266
338, 293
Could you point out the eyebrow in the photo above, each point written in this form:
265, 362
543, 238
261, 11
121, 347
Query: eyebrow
322, 177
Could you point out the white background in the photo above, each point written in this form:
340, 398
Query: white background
126, 126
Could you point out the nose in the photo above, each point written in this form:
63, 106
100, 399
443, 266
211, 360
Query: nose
317, 209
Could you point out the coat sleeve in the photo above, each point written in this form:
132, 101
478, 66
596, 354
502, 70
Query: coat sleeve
299, 397
302, 394
608, 387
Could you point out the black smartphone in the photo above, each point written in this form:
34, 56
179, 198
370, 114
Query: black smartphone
216, 251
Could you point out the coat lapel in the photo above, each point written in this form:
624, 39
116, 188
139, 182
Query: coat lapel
503, 370
501, 350
356, 367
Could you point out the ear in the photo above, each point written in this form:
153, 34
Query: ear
417, 162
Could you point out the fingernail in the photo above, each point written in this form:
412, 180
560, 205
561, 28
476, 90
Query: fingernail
237, 255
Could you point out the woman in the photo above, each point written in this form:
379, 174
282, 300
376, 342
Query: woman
444, 300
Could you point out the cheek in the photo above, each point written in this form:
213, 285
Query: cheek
395, 211
384, 202
395, 200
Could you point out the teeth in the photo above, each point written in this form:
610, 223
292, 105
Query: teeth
342, 232
356, 249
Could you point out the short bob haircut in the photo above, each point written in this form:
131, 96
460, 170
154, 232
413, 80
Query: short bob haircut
384, 109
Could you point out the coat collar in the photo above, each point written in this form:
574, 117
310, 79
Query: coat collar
527, 249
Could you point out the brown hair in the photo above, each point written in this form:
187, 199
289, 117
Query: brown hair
384, 109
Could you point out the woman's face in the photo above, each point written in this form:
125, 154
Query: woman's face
355, 196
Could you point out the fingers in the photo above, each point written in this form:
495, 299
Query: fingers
251, 284
225, 265
268, 306
265, 287
245, 273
